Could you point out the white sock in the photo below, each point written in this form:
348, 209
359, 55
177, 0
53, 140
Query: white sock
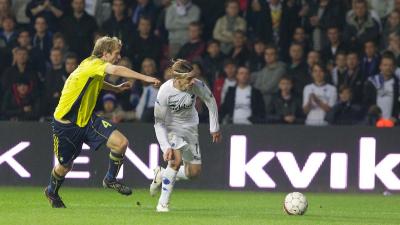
168, 181
181, 175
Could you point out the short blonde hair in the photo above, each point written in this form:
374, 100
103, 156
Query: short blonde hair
106, 44
181, 68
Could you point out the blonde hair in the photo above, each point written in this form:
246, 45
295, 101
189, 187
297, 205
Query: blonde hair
181, 68
106, 44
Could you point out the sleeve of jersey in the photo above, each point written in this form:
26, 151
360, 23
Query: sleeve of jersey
160, 112
207, 97
100, 67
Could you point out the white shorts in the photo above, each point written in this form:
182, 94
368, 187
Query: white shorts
190, 150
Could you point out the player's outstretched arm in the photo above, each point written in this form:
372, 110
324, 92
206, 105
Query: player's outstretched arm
204, 93
128, 73
160, 112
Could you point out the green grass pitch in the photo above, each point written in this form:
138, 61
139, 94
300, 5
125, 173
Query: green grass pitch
86, 206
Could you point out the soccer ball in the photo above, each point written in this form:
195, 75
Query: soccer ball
295, 204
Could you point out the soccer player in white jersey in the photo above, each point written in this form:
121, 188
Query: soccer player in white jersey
176, 122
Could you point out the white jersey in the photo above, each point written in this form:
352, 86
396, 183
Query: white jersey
327, 94
175, 113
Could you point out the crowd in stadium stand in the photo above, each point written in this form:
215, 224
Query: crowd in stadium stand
313, 62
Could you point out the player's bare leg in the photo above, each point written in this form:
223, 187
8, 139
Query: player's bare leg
56, 179
168, 179
188, 171
118, 143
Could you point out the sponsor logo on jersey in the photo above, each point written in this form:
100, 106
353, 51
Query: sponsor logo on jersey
181, 101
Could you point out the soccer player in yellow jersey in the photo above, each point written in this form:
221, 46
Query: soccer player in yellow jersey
74, 121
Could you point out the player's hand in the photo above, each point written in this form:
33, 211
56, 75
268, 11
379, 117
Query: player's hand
216, 136
124, 87
169, 154
154, 81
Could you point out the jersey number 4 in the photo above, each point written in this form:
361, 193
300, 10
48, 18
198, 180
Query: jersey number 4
106, 124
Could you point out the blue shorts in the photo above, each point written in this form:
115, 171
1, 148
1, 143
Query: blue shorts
69, 138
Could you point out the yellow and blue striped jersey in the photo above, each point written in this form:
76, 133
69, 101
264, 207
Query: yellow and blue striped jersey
80, 92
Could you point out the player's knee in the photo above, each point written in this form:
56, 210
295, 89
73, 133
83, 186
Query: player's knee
63, 169
175, 164
122, 144
194, 173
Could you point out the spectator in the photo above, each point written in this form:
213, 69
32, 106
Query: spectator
298, 69
391, 25
354, 78
100, 10
313, 57
239, 53
195, 47
37, 60
374, 114
59, 43
382, 7
345, 112
145, 107
318, 98
361, 27
222, 84
8, 35
97, 34
19, 10
113, 112
19, 102
300, 37
350, 13
78, 29
286, 104
54, 82
394, 46
243, 103
160, 30
199, 71
259, 21
19, 69
334, 45
340, 70
71, 63
226, 25
323, 14
144, 44
5, 11
383, 89
42, 39
119, 25
178, 17
255, 61
143, 8
50, 10
274, 21
213, 61
370, 60
267, 79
